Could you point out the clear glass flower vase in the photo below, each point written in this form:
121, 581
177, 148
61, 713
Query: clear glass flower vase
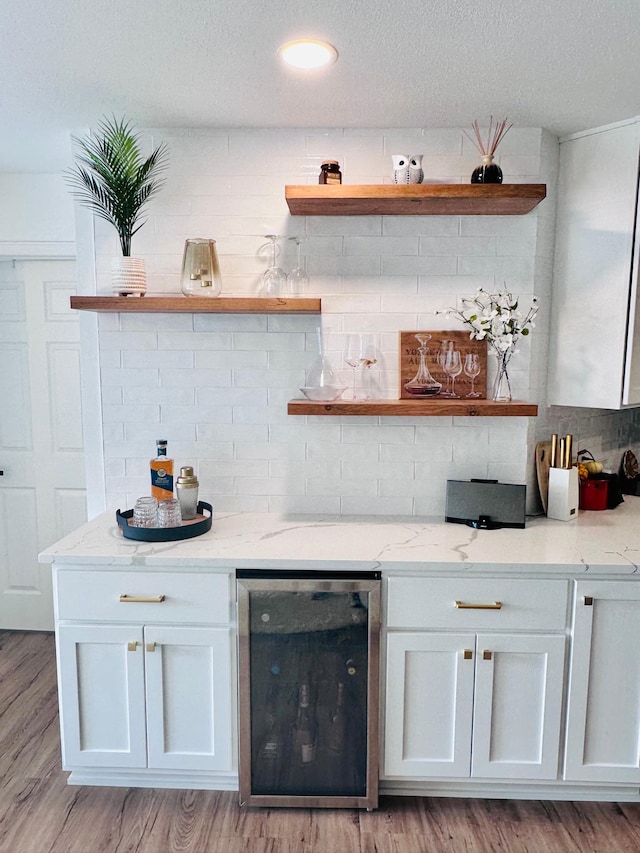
501, 392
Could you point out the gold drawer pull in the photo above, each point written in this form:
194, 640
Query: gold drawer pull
468, 654
150, 647
142, 599
486, 654
470, 605
131, 647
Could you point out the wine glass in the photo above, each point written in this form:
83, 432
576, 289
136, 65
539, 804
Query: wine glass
297, 280
453, 367
360, 351
274, 278
472, 369
370, 359
441, 359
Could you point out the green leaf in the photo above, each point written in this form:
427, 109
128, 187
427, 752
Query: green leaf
113, 179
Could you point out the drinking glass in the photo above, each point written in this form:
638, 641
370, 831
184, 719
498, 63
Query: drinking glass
472, 369
274, 278
360, 352
297, 280
169, 514
441, 358
453, 368
145, 512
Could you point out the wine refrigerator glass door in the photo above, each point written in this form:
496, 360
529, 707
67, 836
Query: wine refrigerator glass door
308, 689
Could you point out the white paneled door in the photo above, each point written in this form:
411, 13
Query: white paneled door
42, 494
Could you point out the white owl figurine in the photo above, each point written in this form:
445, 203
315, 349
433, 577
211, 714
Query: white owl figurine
400, 168
415, 169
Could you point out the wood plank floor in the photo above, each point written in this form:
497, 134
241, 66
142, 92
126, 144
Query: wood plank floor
40, 813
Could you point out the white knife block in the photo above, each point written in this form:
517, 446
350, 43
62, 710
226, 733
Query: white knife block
564, 494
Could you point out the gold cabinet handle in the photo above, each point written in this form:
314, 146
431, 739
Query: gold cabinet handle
142, 599
150, 647
588, 600
486, 654
467, 654
131, 647
470, 605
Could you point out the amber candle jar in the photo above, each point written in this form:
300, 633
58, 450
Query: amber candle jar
330, 172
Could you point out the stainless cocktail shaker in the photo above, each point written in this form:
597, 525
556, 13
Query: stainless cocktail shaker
187, 492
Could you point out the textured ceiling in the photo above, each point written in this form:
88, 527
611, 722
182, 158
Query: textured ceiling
565, 65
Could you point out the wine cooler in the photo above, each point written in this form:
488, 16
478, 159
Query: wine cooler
308, 688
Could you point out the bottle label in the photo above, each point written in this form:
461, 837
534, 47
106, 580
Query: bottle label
308, 752
162, 479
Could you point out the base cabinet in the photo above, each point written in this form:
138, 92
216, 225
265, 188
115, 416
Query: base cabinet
485, 705
147, 688
603, 728
146, 696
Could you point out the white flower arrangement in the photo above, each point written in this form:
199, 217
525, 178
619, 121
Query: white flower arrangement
496, 318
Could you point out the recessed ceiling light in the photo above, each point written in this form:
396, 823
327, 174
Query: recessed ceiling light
308, 53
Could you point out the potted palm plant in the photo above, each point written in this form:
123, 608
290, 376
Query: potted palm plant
113, 179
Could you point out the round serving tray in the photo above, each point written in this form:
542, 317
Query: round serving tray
187, 530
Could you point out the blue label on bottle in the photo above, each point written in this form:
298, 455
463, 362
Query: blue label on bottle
162, 479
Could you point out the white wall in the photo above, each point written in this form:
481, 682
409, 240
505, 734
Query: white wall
36, 216
216, 386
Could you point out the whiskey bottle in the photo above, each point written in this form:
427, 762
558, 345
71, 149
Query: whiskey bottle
305, 729
161, 473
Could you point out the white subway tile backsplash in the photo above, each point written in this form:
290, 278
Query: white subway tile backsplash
217, 385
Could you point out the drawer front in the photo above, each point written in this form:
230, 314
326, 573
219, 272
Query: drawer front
477, 604
168, 597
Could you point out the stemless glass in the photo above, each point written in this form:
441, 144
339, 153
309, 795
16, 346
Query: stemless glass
169, 514
145, 512
274, 278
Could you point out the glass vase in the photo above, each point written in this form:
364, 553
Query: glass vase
501, 392
200, 268
488, 173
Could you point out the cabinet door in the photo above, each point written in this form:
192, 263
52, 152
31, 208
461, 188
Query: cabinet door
101, 684
592, 336
428, 709
518, 706
603, 728
189, 698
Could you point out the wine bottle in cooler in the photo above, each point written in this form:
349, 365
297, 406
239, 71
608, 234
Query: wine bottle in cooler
338, 725
271, 747
305, 729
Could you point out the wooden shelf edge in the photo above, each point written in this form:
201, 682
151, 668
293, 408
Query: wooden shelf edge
413, 199
198, 305
413, 408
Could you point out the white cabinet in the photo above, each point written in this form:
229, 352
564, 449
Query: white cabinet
479, 703
153, 696
603, 729
595, 316
140, 692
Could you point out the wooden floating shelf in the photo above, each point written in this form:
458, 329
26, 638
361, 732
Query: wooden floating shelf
198, 305
412, 408
413, 199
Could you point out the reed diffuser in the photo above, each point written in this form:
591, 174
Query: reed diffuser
489, 172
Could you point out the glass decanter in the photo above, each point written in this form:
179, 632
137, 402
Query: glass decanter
322, 381
423, 384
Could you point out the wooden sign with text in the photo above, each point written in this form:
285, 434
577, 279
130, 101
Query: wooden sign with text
442, 364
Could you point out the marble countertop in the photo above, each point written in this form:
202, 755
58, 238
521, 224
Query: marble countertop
605, 542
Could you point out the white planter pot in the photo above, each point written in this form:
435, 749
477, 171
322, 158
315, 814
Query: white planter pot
128, 276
